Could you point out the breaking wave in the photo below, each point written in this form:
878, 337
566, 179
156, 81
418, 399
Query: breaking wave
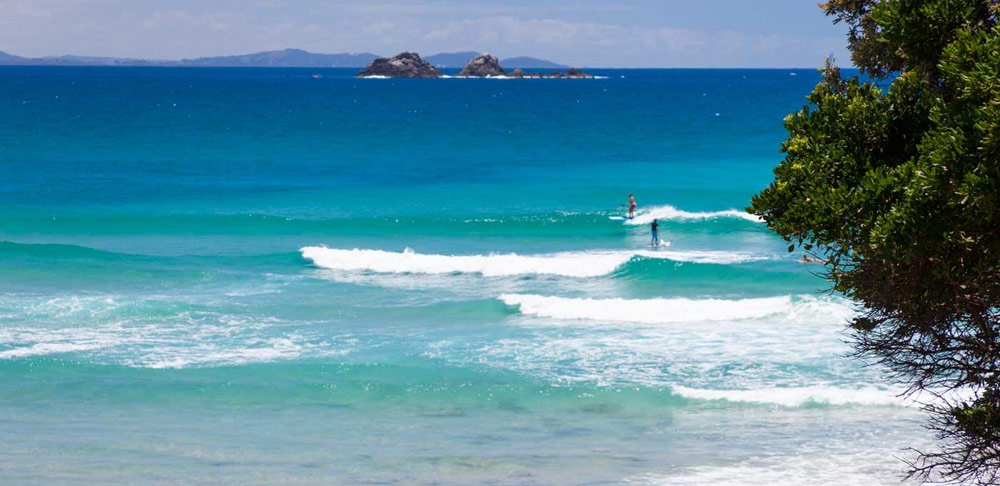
570, 264
797, 397
653, 311
671, 213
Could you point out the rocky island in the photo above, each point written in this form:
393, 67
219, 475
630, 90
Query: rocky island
487, 66
410, 65
402, 65
483, 66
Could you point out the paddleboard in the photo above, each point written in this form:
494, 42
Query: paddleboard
618, 218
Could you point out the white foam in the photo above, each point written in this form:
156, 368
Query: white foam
570, 264
41, 349
651, 311
796, 397
111, 329
670, 213
704, 256
566, 264
846, 463
257, 351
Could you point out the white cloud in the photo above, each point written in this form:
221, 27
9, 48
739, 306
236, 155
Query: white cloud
593, 43
561, 34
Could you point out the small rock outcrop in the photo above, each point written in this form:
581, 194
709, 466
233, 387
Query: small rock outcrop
519, 73
572, 73
483, 66
402, 65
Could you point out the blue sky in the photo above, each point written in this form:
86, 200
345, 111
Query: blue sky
605, 33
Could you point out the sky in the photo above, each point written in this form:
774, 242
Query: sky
585, 33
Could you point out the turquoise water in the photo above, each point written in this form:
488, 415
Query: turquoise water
250, 276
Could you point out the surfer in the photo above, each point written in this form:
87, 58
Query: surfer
656, 234
631, 206
809, 259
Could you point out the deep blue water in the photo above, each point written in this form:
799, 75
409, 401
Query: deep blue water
251, 276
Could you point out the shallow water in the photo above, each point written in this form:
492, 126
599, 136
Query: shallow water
250, 276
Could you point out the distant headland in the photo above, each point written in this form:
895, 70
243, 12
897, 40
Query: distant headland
278, 58
411, 65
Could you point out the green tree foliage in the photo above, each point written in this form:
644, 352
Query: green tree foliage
898, 190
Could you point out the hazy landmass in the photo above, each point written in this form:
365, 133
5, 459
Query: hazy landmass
524, 62
458, 60
279, 58
285, 58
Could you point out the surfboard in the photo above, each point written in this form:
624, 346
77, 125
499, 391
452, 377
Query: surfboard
619, 218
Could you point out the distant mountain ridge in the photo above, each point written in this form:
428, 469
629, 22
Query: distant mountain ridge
524, 62
448, 60
458, 60
70, 60
4, 56
278, 58
285, 58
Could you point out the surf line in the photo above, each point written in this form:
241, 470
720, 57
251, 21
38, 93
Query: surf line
568, 264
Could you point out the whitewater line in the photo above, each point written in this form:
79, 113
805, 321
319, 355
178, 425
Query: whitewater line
670, 213
673, 310
569, 264
799, 396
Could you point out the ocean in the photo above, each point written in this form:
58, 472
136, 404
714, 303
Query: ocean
255, 276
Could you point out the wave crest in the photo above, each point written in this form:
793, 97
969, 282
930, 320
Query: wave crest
570, 264
797, 397
662, 311
671, 213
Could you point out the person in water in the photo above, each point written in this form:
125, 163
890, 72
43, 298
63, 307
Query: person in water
631, 206
809, 259
656, 233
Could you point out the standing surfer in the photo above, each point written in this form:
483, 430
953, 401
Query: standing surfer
656, 234
631, 206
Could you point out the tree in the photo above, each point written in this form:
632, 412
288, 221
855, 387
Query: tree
898, 190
